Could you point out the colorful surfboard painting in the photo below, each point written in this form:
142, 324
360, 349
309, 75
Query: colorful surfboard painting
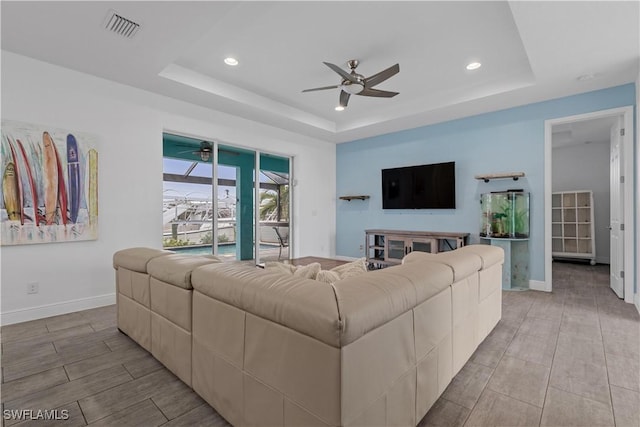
49, 191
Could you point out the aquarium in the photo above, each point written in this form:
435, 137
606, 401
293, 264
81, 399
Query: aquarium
505, 214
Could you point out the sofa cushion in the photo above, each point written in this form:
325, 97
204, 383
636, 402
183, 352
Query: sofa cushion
489, 255
176, 269
462, 264
136, 259
304, 305
370, 300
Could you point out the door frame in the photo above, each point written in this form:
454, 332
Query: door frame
629, 190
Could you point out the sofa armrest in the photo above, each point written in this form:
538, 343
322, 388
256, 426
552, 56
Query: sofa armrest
136, 259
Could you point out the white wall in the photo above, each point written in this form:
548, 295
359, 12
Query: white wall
637, 227
130, 123
586, 167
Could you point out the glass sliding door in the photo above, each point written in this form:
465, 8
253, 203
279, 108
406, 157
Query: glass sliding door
215, 202
273, 208
226, 226
187, 206
240, 199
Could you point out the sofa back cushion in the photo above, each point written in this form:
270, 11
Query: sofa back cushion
489, 254
136, 259
370, 300
305, 305
462, 264
176, 269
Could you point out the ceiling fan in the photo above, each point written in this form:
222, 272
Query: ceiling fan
205, 151
356, 84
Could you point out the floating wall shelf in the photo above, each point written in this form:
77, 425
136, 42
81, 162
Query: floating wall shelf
488, 177
350, 198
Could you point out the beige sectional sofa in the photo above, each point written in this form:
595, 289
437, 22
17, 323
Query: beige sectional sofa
154, 297
269, 349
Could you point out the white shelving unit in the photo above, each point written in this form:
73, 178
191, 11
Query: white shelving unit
572, 225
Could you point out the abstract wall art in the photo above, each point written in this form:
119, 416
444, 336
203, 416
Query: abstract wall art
49, 191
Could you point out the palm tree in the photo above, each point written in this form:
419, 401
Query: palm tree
269, 204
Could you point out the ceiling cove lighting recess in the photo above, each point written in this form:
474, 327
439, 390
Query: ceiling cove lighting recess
231, 61
473, 66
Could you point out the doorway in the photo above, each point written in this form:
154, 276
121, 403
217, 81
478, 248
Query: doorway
586, 216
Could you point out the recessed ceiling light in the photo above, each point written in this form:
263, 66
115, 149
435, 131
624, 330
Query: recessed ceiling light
473, 66
231, 61
589, 76
339, 108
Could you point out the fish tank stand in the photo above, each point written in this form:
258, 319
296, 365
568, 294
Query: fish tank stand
515, 270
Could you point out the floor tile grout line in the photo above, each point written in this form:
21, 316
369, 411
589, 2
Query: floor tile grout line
606, 365
553, 358
455, 403
514, 398
163, 414
120, 410
101, 391
64, 367
102, 369
82, 412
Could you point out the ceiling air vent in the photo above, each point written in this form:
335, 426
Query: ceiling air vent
120, 25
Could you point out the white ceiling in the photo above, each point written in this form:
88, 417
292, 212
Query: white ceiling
596, 131
530, 51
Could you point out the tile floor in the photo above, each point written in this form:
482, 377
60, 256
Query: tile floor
569, 358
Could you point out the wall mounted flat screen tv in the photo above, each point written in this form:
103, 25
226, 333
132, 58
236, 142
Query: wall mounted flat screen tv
420, 187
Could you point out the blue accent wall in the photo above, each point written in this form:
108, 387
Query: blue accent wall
510, 140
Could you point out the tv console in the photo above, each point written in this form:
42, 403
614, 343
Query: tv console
385, 248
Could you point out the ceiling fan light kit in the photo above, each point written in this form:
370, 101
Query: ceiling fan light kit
356, 84
231, 61
205, 151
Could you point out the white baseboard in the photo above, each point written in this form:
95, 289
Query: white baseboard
346, 258
48, 310
636, 301
538, 285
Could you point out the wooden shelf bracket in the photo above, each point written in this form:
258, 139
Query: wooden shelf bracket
488, 177
350, 198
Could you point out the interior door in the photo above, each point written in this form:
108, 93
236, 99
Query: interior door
617, 226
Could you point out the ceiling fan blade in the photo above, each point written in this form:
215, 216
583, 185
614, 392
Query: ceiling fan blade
342, 72
321, 88
344, 98
378, 93
382, 76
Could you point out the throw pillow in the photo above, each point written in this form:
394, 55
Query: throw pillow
343, 271
303, 271
353, 268
327, 276
307, 271
278, 267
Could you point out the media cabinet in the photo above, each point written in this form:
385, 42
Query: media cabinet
387, 247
